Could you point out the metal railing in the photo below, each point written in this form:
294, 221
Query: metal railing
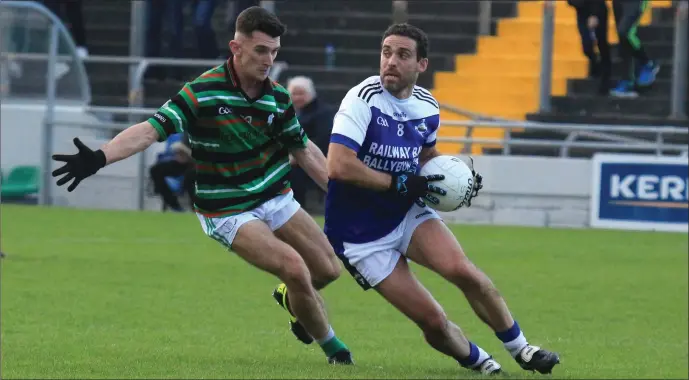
610, 134
57, 28
573, 131
680, 66
606, 133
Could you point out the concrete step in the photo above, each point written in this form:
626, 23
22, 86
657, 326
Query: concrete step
499, 8
512, 64
384, 7
354, 39
611, 119
503, 82
352, 57
662, 31
119, 48
563, 47
661, 88
115, 71
98, 16
664, 14
594, 104
375, 22
107, 33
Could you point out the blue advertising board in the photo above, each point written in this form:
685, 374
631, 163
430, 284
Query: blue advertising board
640, 192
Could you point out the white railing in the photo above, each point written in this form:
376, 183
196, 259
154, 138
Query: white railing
609, 134
573, 131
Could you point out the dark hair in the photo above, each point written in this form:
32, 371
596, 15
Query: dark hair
410, 31
259, 19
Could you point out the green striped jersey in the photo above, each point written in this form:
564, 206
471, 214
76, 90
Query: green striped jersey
239, 145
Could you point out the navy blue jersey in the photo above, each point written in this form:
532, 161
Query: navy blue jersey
387, 134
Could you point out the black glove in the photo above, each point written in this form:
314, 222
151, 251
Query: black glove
417, 187
478, 183
78, 166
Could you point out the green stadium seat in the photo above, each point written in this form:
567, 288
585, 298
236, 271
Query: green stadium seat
20, 182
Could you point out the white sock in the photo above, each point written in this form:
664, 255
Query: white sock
328, 336
513, 339
516, 345
482, 356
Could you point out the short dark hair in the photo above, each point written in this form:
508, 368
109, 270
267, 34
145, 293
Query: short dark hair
259, 19
410, 31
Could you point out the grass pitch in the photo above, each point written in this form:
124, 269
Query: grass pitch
102, 294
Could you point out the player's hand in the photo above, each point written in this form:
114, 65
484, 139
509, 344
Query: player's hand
478, 183
84, 163
417, 187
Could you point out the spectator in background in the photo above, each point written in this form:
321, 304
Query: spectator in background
181, 165
172, 11
316, 118
627, 16
170, 14
234, 8
71, 14
207, 44
592, 22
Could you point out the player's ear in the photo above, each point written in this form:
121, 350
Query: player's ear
422, 65
235, 47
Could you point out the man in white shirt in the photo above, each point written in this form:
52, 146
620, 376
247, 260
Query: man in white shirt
376, 218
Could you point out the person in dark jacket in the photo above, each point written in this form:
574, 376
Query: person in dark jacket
316, 117
592, 22
181, 165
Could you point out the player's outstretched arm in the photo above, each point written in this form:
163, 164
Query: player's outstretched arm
87, 162
172, 117
312, 160
129, 142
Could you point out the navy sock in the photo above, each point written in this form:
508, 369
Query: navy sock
476, 356
513, 339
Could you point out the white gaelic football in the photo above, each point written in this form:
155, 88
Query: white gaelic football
458, 182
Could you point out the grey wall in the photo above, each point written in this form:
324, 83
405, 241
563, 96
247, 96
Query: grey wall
534, 191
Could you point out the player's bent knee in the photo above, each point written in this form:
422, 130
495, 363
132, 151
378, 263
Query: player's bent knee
327, 275
461, 272
434, 322
294, 272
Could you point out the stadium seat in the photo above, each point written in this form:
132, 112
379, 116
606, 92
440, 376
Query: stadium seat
20, 182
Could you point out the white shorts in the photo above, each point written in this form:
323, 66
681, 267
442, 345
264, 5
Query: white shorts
372, 262
275, 213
